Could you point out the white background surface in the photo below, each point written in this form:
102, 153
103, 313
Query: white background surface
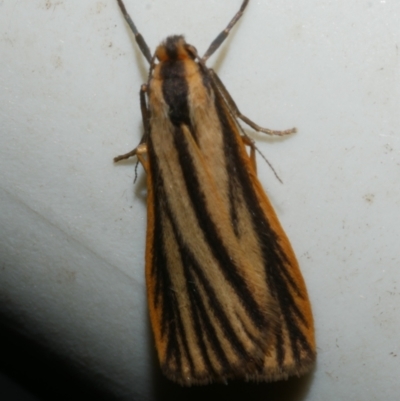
72, 224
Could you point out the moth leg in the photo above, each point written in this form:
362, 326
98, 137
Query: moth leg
141, 150
253, 148
138, 37
249, 142
223, 35
235, 110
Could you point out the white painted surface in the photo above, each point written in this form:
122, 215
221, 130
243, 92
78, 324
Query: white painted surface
72, 224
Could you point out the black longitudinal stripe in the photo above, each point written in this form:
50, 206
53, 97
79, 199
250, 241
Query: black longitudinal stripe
171, 319
268, 240
289, 304
196, 319
274, 257
161, 279
227, 267
203, 327
173, 349
186, 260
171, 311
193, 274
233, 198
176, 327
290, 314
158, 258
298, 342
171, 326
292, 283
175, 91
225, 324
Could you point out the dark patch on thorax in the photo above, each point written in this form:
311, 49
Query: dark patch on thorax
175, 91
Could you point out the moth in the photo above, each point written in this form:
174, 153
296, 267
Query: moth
225, 294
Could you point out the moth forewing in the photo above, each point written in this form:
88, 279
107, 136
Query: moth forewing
225, 293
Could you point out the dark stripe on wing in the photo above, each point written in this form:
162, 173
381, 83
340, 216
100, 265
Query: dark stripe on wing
202, 323
200, 309
215, 242
224, 323
276, 264
165, 298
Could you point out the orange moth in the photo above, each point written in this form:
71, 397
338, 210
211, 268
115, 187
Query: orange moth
225, 293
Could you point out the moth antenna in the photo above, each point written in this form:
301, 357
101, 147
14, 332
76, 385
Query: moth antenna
216, 43
138, 36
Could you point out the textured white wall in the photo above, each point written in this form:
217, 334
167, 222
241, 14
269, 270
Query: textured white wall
72, 225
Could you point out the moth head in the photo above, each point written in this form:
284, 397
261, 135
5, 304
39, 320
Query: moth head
175, 48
